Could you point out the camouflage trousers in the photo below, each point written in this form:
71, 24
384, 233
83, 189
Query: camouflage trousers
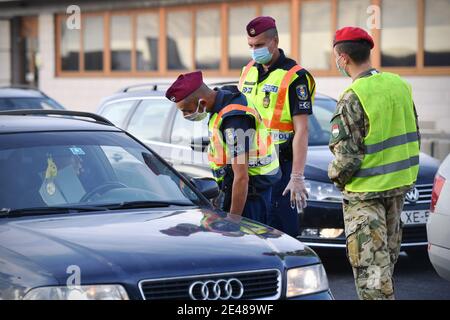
374, 232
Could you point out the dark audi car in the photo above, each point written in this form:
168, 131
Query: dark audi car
146, 113
89, 212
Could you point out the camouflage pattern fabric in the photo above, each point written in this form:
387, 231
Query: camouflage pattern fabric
374, 233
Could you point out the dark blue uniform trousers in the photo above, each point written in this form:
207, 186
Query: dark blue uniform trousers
281, 215
257, 206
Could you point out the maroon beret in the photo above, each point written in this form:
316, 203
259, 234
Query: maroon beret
259, 25
347, 34
184, 86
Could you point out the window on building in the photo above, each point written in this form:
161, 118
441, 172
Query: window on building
69, 47
437, 33
399, 43
207, 39
238, 51
147, 35
93, 38
130, 45
179, 40
121, 42
280, 12
353, 13
315, 34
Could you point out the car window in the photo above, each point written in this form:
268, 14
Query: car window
319, 122
184, 130
116, 112
149, 120
28, 103
68, 168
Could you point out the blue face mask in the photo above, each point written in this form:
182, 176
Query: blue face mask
261, 55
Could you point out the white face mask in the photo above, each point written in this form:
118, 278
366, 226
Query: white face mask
197, 116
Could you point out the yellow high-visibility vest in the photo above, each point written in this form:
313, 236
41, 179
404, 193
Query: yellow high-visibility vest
391, 157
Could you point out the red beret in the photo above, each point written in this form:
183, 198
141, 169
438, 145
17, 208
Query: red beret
259, 25
352, 34
184, 86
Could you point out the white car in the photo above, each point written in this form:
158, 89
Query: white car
438, 226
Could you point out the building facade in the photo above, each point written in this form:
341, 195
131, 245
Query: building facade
80, 54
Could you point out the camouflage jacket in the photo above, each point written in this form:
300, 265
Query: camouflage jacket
350, 124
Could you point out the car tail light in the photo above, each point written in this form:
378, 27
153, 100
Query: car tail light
437, 188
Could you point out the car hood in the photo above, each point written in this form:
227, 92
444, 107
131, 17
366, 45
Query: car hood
319, 157
143, 244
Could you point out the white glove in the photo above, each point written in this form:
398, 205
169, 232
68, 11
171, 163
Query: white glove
298, 191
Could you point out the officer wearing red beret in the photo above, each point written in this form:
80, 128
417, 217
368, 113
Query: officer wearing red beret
241, 154
375, 140
283, 93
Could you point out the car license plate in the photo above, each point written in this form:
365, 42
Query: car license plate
415, 217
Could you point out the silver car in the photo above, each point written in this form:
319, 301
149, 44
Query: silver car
438, 226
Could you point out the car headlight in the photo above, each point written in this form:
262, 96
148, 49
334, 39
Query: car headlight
306, 280
320, 191
94, 292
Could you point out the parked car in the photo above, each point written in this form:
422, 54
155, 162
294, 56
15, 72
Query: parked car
147, 114
23, 97
438, 226
89, 212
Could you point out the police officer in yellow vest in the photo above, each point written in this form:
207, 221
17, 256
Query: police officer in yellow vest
241, 153
283, 93
375, 139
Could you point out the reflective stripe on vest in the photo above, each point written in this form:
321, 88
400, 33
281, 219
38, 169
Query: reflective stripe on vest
245, 73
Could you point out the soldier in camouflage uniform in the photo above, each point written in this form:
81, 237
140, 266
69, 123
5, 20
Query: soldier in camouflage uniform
372, 219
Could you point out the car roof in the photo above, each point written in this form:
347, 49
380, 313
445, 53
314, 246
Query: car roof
156, 90
138, 94
38, 121
16, 92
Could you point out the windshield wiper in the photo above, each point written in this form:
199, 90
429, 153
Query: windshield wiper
5, 212
144, 204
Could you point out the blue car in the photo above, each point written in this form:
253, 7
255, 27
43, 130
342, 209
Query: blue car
89, 212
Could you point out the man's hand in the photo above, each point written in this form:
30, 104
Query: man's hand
297, 189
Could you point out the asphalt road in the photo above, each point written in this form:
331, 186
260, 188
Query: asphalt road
414, 278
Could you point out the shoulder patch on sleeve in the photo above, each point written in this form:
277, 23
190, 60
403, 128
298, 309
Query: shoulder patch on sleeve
302, 92
337, 129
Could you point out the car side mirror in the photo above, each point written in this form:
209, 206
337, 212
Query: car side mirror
207, 187
199, 144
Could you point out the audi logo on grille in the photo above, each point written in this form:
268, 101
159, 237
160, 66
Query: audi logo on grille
216, 289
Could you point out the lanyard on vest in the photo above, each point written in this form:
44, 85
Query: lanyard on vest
275, 123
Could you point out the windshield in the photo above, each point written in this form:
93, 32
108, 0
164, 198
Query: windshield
83, 168
319, 122
28, 103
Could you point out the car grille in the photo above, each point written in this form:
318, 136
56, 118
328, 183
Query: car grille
414, 234
424, 194
264, 284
